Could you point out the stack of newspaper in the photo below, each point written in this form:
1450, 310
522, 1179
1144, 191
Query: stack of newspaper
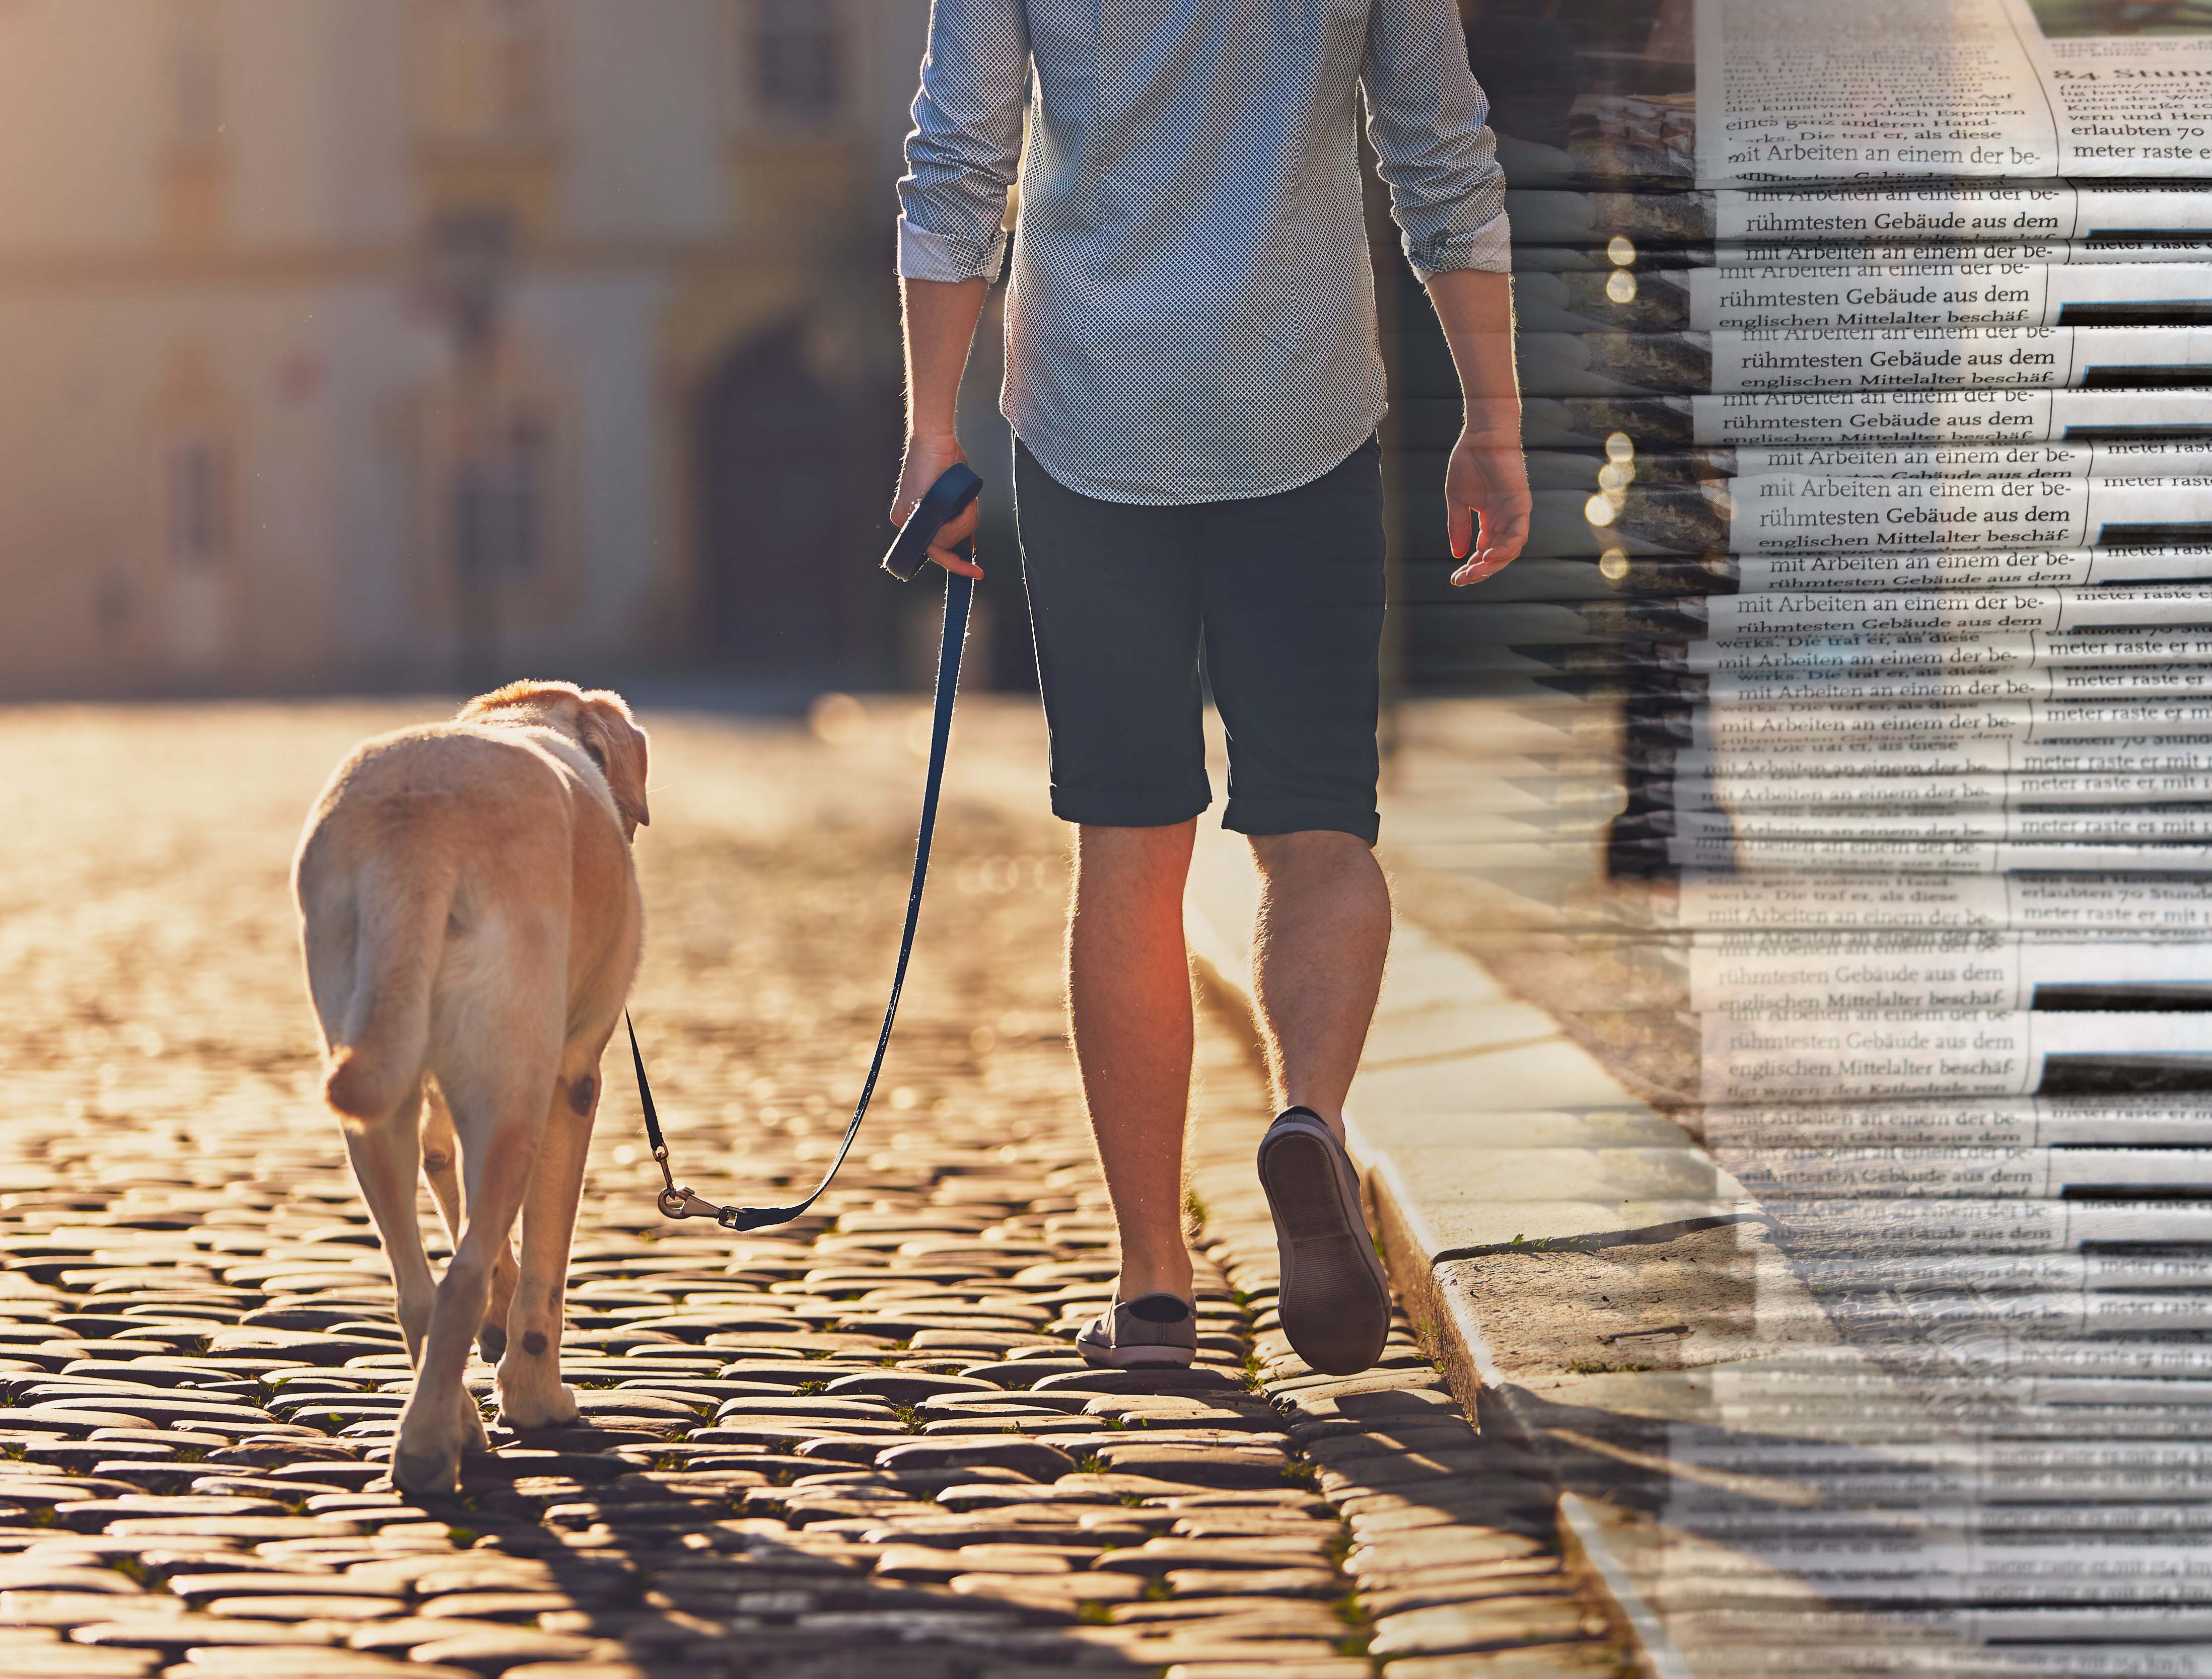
1865, 637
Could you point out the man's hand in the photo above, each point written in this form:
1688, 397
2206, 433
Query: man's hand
926, 458
1486, 502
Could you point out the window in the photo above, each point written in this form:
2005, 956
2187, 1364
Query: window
192, 72
795, 51
484, 69
499, 512
196, 492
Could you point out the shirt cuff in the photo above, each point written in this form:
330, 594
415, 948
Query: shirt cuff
1489, 248
923, 255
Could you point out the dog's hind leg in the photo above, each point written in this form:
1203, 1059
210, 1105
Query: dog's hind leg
440, 1152
385, 1155
499, 1114
531, 1394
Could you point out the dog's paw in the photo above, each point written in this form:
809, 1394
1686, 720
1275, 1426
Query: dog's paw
556, 1409
429, 1471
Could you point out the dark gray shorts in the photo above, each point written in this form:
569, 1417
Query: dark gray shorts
1282, 597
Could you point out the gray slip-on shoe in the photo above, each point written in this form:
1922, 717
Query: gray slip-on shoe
1335, 1300
1151, 1328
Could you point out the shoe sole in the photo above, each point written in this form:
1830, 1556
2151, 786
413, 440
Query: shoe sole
1133, 1358
1335, 1303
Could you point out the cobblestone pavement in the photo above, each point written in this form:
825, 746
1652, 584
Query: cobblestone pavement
861, 1442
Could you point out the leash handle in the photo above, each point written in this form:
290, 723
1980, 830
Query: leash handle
950, 495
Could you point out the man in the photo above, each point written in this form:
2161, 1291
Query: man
1193, 384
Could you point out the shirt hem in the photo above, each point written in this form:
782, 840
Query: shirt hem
1048, 457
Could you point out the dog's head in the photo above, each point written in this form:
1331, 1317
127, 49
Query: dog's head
596, 720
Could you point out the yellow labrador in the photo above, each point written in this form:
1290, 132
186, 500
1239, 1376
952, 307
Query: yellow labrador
471, 921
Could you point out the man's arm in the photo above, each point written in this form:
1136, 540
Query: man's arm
940, 325
961, 159
1487, 502
1428, 120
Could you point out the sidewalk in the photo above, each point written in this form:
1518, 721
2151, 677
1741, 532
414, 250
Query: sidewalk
1597, 1289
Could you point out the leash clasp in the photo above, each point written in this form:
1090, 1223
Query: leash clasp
675, 1202
685, 1203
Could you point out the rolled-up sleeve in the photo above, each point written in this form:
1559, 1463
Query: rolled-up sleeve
966, 143
1429, 122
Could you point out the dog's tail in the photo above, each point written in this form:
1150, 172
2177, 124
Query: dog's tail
398, 943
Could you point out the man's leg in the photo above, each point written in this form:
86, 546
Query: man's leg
1293, 626
1322, 932
1115, 604
1128, 1005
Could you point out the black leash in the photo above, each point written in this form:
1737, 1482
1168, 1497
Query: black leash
950, 495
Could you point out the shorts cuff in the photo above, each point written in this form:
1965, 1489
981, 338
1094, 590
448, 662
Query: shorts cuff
1263, 816
1132, 809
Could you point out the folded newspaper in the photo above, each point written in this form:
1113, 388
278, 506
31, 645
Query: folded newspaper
1621, 256
1991, 415
1813, 972
1587, 469
2123, 905
1810, 513
1746, 725
2094, 213
1734, 92
1856, 1055
1879, 293
1888, 855
2085, 825
1989, 568
1959, 616
1861, 358
2144, 768
2018, 1122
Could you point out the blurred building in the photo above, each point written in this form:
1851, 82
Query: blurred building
362, 341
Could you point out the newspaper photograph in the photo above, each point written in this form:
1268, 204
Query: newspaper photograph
1766, 91
1879, 293
1989, 415
2095, 213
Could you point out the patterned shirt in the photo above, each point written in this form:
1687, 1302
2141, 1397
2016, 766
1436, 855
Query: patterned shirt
1192, 312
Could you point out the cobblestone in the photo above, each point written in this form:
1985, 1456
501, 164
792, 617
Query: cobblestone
800, 1447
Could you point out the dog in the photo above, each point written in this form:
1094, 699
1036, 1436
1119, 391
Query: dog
470, 923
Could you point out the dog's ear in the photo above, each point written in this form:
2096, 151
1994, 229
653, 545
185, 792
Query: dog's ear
618, 745
522, 696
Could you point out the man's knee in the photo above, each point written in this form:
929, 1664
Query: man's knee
1313, 848
1145, 850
